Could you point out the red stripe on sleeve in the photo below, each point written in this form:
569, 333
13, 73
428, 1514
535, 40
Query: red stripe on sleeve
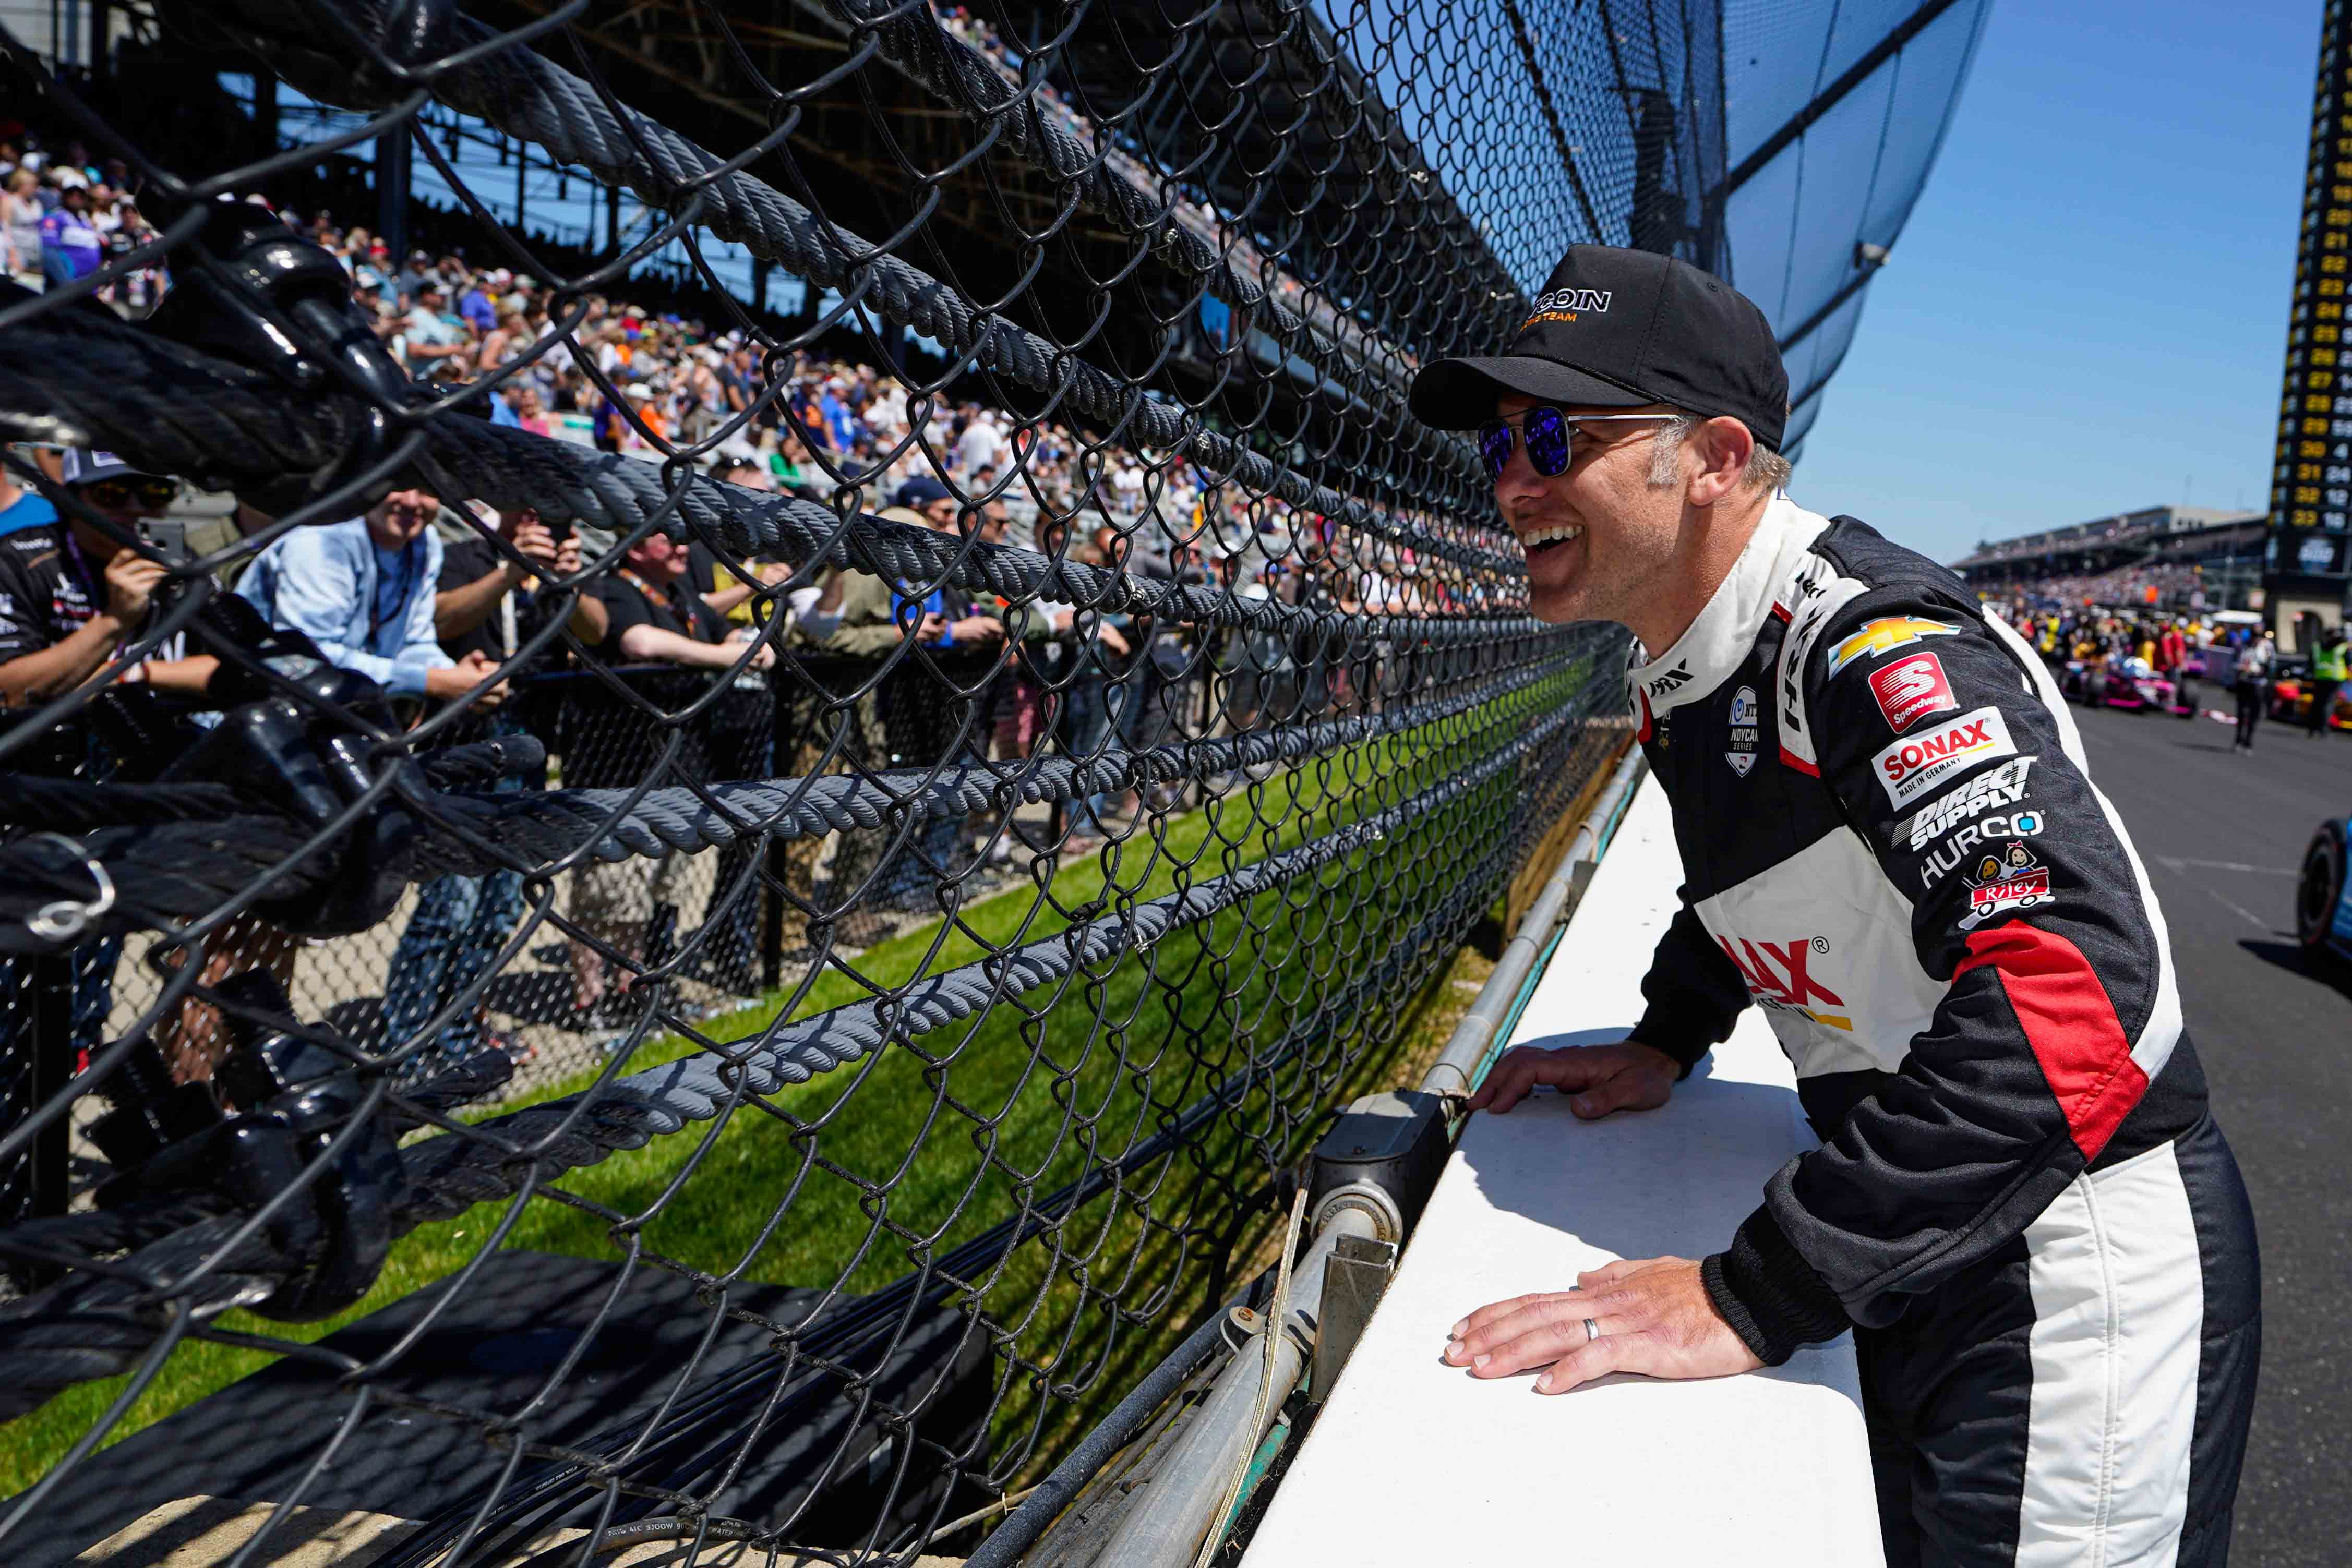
1641, 698
2070, 1023
1791, 759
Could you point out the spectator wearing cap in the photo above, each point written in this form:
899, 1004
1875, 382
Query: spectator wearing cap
653, 617
841, 426
476, 308
432, 345
923, 718
857, 619
70, 245
487, 606
71, 595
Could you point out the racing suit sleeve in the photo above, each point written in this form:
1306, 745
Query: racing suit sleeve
1694, 992
2029, 906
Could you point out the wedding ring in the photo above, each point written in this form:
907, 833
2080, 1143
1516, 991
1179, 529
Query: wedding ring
1592, 1330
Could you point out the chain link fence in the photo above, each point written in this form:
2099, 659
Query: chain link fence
951, 801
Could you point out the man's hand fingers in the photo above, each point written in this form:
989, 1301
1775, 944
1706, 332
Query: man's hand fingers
1561, 1318
1571, 1068
1607, 1274
1494, 1312
1541, 1346
1623, 1090
1597, 1358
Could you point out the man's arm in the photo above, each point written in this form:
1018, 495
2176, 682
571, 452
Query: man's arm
1696, 996
38, 675
457, 611
1694, 992
2027, 903
644, 643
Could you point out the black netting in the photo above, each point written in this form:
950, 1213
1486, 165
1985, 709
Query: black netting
740, 714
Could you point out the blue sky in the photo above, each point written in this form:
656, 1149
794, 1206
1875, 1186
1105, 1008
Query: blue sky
2088, 312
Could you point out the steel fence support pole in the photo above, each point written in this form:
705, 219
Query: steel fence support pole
48, 1170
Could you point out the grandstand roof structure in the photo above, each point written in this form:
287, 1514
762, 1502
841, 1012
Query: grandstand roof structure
1781, 145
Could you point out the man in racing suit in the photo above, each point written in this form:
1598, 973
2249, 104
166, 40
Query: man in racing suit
2021, 1205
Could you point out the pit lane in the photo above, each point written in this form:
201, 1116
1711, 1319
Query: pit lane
2223, 836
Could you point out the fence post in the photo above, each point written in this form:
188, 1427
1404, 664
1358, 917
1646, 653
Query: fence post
48, 1170
771, 915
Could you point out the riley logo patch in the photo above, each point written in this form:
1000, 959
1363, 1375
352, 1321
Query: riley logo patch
1883, 636
1909, 689
1779, 976
1910, 768
2012, 879
1744, 730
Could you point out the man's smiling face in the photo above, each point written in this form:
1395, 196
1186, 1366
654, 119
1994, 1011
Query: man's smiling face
1600, 536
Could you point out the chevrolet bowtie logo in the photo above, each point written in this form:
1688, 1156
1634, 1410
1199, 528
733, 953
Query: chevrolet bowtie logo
1885, 635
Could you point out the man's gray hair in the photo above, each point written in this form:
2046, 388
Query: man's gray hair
1766, 469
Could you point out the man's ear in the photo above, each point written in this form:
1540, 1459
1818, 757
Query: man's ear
1723, 446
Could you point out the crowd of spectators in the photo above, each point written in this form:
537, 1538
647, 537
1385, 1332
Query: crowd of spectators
2141, 583
63, 215
416, 595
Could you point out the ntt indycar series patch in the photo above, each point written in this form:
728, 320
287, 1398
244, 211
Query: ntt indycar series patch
1912, 767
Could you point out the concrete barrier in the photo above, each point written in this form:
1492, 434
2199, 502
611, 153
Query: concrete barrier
1414, 1462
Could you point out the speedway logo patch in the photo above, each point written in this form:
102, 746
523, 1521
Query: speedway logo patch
2002, 785
1908, 690
1909, 768
2012, 879
1883, 636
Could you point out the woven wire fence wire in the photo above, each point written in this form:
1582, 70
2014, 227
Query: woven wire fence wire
958, 778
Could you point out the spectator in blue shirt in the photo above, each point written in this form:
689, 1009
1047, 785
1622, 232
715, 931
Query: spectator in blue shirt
476, 308
840, 425
70, 243
21, 509
362, 590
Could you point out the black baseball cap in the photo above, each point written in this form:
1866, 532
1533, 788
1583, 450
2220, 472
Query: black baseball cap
1618, 329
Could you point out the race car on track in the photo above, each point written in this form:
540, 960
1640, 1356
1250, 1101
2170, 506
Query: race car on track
2291, 696
2323, 903
2128, 683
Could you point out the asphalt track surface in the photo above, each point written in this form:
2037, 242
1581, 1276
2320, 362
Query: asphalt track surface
2222, 837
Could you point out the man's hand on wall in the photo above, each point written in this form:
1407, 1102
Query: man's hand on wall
1598, 1079
1651, 1315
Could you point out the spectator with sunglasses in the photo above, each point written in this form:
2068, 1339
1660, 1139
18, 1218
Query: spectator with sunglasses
71, 594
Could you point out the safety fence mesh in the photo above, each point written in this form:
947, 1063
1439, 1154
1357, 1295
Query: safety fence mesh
737, 717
